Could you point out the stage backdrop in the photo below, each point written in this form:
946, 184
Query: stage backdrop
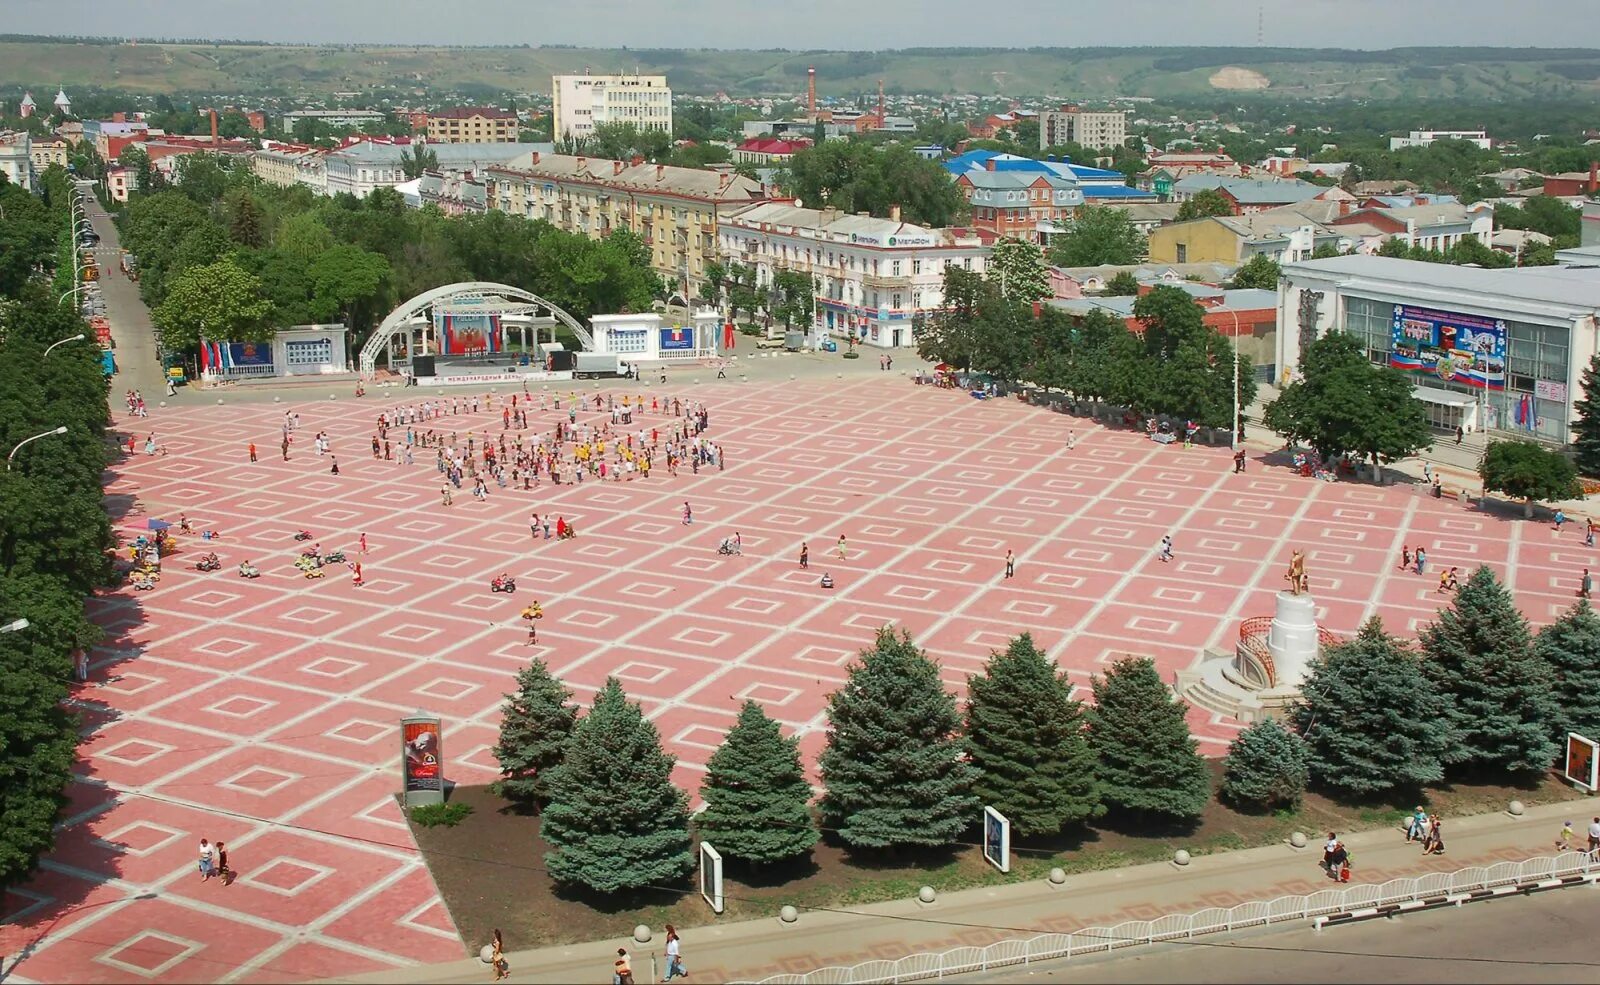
467, 335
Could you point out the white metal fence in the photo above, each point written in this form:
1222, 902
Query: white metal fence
1172, 926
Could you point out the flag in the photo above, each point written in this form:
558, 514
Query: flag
227, 357
205, 364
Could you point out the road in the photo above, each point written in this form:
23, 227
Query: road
138, 367
1548, 937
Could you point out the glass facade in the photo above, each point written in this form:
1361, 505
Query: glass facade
1537, 359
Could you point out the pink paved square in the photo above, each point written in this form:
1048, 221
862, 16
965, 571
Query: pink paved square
264, 712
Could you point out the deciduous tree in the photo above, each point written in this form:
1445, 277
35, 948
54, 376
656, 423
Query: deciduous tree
1099, 235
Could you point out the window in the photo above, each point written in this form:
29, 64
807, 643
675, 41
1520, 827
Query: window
894, 270
1183, 253
966, 263
916, 266
898, 302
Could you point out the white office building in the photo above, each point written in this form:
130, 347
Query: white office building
1422, 138
874, 275
1489, 349
582, 102
332, 117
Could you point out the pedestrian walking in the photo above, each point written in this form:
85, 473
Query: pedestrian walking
1422, 560
1594, 836
1565, 836
805, 556
841, 550
334, 468
1588, 532
1434, 843
1561, 520
1405, 556
1011, 563
444, 494
223, 872
1459, 434
675, 968
363, 543
252, 451
1166, 548
1585, 584
688, 514
533, 526
1238, 461
207, 860
497, 958
622, 968
1417, 826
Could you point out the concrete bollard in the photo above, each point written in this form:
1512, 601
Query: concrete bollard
1297, 839
219, 401
926, 895
162, 404
276, 398
333, 396
1515, 808
1057, 876
641, 933
1180, 857
788, 914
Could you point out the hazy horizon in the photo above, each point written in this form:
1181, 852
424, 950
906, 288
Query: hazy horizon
840, 25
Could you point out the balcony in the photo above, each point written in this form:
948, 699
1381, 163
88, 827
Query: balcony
902, 281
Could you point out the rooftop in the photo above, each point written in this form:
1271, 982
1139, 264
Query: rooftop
468, 112
835, 223
1575, 288
689, 182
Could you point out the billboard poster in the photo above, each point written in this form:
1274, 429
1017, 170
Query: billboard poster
467, 335
997, 839
1469, 349
677, 339
422, 760
1583, 765
250, 353
711, 877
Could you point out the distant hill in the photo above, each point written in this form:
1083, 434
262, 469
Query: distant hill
232, 67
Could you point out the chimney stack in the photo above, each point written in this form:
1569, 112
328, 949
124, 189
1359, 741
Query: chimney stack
989, 164
661, 171
811, 93
533, 158
1594, 177
213, 128
881, 117
616, 168
894, 212
583, 163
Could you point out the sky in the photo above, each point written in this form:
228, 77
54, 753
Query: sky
826, 24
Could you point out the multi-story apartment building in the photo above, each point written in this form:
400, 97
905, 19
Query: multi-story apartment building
473, 125
580, 102
873, 276
1028, 205
674, 210
332, 117
16, 158
1073, 125
287, 165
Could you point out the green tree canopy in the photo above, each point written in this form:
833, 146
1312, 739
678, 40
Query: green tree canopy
1266, 767
1373, 686
1343, 403
1146, 758
854, 176
1203, 204
891, 766
1123, 285
1480, 655
535, 725
1570, 646
1099, 235
615, 820
1528, 471
756, 795
1260, 272
1025, 739
954, 333
219, 301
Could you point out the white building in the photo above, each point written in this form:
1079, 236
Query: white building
332, 117
645, 338
581, 102
16, 158
1489, 349
1422, 138
360, 168
1072, 125
873, 275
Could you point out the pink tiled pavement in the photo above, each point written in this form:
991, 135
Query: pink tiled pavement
263, 712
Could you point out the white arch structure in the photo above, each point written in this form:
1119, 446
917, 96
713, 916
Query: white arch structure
474, 297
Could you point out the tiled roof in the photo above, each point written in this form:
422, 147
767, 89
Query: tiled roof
691, 182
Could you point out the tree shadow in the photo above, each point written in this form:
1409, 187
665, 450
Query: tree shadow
772, 875
1149, 824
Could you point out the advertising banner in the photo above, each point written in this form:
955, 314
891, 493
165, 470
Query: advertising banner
250, 353
676, 339
1583, 765
422, 760
1468, 349
997, 839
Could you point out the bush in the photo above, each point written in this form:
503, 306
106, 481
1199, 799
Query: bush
1266, 767
852, 354
434, 815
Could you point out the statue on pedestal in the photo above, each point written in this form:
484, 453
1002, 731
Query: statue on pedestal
1299, 584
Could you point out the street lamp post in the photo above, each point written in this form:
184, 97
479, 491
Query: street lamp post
71, 338
15, 626
1233, 428
42, 434
66, 294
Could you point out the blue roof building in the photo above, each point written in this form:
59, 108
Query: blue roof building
1096, 184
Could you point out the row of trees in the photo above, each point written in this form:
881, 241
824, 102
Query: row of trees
54, 532
222, 253
1480, 696
1173, 365
903, 767
855, 176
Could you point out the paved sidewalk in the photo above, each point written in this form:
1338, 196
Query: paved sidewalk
754, 949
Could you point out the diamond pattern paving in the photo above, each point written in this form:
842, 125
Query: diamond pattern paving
263, 712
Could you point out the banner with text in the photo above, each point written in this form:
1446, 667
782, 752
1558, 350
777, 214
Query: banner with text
1469, 349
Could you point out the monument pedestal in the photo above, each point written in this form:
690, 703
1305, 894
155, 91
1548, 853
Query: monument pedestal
1261, 678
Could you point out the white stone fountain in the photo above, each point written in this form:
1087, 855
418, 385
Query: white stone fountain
1262, 676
